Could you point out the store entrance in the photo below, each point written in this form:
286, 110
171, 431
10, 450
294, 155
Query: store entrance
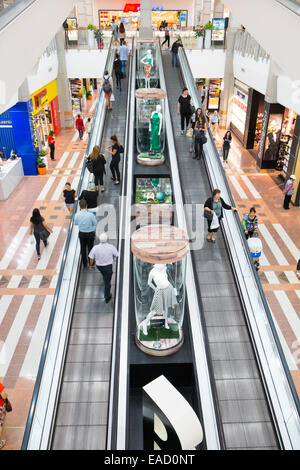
44, 124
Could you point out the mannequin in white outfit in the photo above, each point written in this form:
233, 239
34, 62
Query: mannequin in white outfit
164, 295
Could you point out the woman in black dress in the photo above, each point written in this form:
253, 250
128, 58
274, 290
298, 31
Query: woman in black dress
99, 163
199, 135
39, 229
226, 145
114, 151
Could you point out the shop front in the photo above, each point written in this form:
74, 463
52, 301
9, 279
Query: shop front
130, 16
46, 112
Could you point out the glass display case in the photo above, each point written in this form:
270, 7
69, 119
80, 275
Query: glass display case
159, 270
150, 125
147, 70
153, 201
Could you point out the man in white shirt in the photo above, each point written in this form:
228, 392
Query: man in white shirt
124, 52
103, 256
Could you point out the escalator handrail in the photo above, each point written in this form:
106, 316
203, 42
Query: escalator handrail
110, 437
182, 54
58, 287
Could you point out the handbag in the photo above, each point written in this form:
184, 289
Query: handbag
112, 97
190, 132
193, 109
8, 406
90, 165
208, 215
44, 234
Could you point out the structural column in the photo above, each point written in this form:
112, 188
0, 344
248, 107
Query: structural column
206, 12
85, 13
218, 9
63, 88
146, 19
228, 80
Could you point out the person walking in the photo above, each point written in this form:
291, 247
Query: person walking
3, 397
288, 191
88, 127
122, 33
51, 142
69, 195
298, 270
214, 123
124, 52
98, 168
117, 67
226, 145
103, 256
39, 229
87, 223
213, 208
167, 36
114, 151
175, 47
184, 108
114, 30
107, 87
90, 195
199, 136
203, 93
79, 126
250, 223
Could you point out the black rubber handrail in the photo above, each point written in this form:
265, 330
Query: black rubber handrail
56, 295
257, 280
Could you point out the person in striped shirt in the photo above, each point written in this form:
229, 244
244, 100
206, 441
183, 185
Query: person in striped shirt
250, 223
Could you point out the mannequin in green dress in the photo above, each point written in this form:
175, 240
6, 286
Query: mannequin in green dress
155, 129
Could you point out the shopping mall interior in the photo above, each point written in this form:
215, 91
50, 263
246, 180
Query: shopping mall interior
150, 221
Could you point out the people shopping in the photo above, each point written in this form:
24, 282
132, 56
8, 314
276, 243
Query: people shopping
250, 223
87, 223
175, 47
122, 33
167, 36
114, 151
80, 126
288, 191
98, 166
69, 196
90, 195
124, 52
226, 145
199, 136
51, 142
214, 119
103, 256
107, 87
39, 229
213, 212
117, 67
184, 108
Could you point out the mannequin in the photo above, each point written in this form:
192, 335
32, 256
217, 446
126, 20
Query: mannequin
164, 295
147, 60
155, 129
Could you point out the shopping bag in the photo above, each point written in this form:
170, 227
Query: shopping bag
112, 97
190, 132
214, 223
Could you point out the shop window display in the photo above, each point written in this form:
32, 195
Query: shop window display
159, 287
286, 139
147, 71
150, 124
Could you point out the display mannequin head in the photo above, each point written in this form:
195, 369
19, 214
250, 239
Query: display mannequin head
149, 52
158, 108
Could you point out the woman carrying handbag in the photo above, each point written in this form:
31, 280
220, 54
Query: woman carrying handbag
199, 136
39, 229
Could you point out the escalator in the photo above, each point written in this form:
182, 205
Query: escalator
78, 419
245, 409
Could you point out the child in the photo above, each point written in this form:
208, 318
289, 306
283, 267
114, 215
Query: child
69, 195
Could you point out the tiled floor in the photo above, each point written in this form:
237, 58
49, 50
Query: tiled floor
279, 231
27, 285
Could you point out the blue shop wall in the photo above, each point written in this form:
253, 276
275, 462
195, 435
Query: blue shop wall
25, 138
7, 141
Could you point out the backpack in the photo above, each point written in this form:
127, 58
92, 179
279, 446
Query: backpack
106, 86
121, 149
90, 165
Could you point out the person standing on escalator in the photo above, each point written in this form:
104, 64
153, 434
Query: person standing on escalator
118, 70
175, 47
199, 136
184, 108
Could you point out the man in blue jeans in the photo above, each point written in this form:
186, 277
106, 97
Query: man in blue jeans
124, 53
103, 256
176, 45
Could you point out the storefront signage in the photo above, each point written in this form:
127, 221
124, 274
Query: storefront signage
32, 126
5, 124
43, 96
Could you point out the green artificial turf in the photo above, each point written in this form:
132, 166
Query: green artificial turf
155, 334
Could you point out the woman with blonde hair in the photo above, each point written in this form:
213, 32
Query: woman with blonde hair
97, 167
114, 150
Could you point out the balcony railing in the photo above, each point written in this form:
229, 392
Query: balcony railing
245, 44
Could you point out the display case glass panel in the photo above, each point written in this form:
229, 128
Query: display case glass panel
147, 70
